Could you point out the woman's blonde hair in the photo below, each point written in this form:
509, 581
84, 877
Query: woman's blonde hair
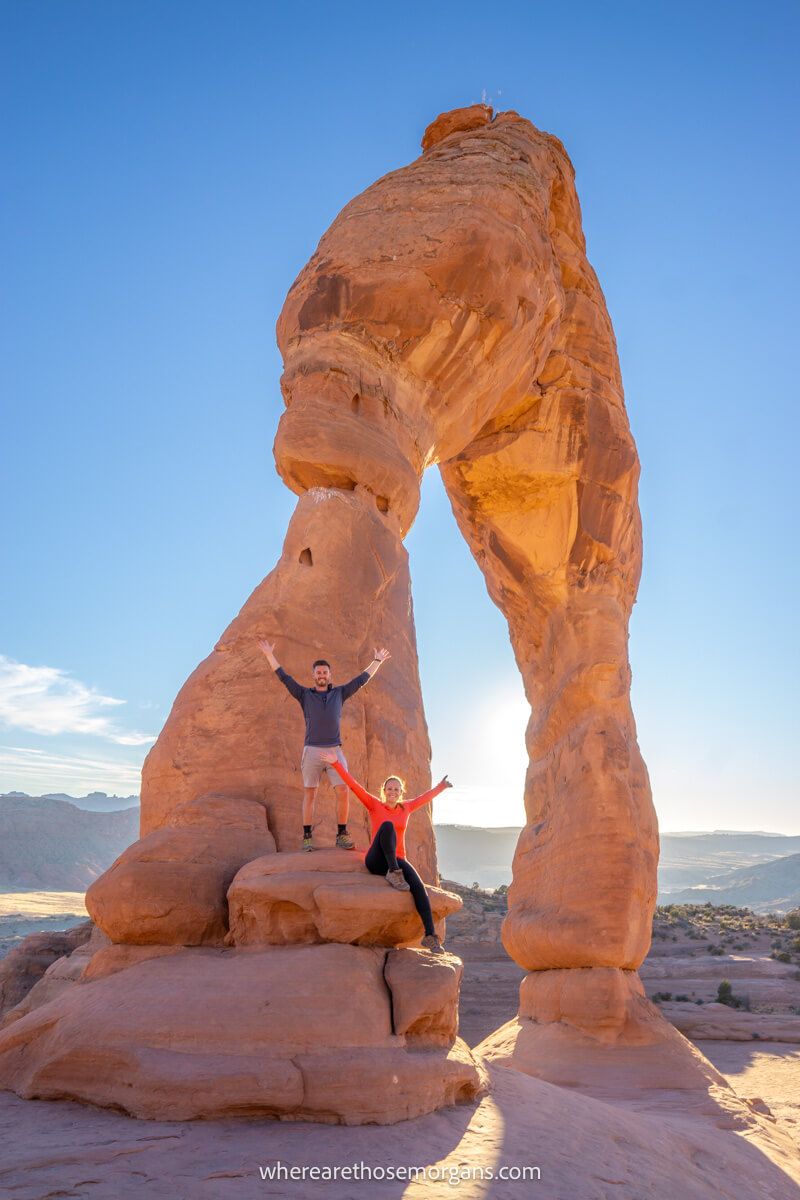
402, 783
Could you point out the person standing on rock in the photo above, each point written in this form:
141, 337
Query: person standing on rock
389, 814
322, 708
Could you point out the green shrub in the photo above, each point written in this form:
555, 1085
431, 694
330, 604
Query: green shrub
725, 995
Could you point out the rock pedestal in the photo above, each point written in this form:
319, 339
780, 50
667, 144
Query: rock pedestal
287, 986
294, 1032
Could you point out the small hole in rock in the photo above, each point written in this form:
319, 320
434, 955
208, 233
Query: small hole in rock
355, 403
305, 558
382, 503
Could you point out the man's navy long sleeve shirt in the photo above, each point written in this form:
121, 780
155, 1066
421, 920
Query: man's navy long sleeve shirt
322, 710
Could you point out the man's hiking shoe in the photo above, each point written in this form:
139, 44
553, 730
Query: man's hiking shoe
432, 943
308, 843
396, 879
345, 842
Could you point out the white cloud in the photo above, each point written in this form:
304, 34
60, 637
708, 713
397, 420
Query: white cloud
25, 769
46, 700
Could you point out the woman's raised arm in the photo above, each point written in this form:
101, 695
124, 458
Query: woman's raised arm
369, 801
426, 797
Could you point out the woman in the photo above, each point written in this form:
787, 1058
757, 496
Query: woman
389, 814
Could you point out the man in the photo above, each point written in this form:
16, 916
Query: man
322, 708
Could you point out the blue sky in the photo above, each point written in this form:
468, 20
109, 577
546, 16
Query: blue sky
167, 170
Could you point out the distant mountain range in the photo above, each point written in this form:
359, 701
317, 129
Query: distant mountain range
690, 860
712, 862
769, 887
53, 845
470, 855
94, 802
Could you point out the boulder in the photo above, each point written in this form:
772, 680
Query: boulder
169, 887
25, 965
425, 989
63, 973
329, 896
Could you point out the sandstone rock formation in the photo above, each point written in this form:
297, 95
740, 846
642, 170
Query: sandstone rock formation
62, 973
721, 1022
291, 1031
285, 900
25, 965
449, 316
169, 888
340, 588
312, 1006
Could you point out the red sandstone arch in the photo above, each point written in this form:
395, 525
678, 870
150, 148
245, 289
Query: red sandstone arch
450, 316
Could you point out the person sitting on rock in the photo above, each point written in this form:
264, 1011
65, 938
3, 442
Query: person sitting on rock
389, 814
322, 707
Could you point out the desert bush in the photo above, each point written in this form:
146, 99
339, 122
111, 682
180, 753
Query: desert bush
725, 995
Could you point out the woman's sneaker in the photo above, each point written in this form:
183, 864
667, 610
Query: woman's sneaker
345, 842
308, 843
432, 943
396, 879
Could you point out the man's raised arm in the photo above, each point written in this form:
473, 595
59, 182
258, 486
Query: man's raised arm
359, 681
291, 685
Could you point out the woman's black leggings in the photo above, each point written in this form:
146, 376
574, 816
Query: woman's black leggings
382, 857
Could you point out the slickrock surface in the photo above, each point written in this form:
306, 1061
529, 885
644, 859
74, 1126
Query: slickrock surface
728, 1024
286, 899
584, 1148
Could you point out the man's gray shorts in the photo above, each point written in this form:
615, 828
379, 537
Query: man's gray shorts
312, 764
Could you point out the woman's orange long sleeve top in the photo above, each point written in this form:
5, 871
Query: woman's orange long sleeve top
380, 812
